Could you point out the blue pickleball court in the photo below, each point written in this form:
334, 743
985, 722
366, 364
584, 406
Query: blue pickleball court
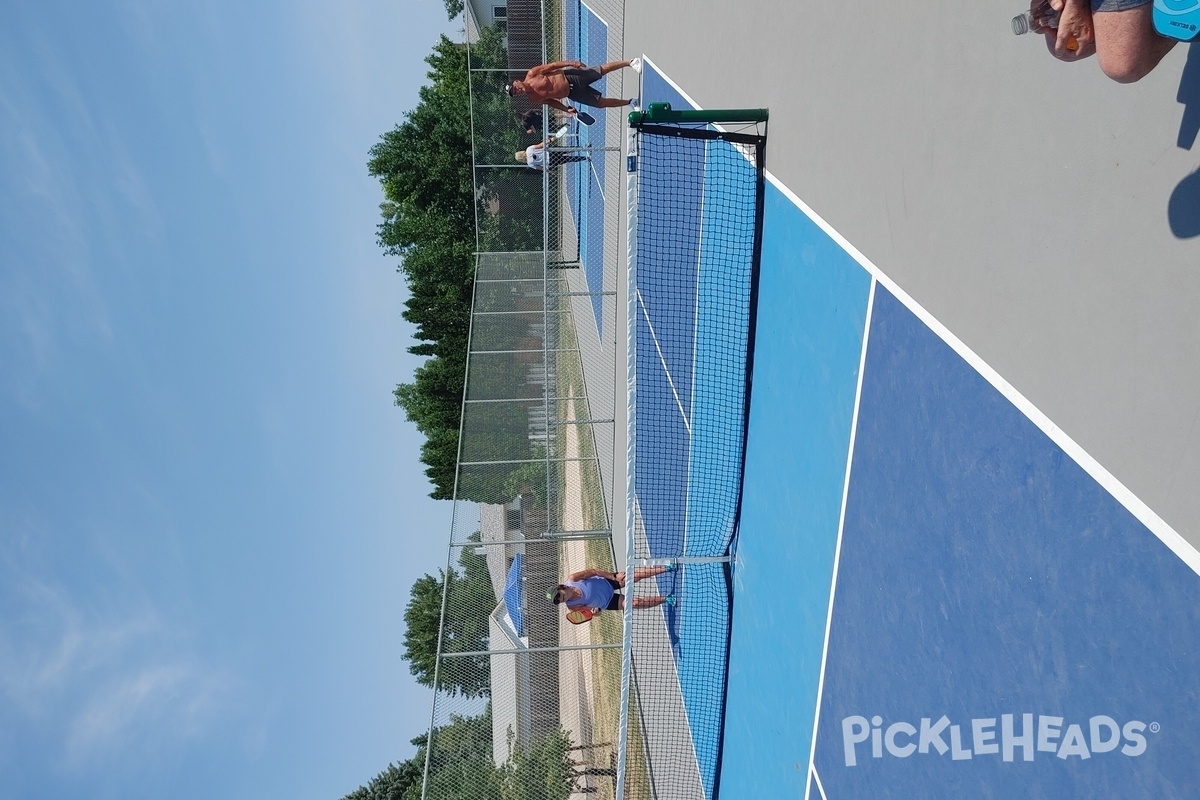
586, 40
936, 593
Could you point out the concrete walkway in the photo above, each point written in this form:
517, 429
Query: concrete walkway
576, 682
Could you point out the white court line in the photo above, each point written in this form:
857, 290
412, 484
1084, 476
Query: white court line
599, 184
837, 550
670, 381
646, 60
590, 163
820, 786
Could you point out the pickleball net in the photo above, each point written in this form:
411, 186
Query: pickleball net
695, 239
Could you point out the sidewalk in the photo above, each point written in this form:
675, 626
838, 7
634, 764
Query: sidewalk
576, 690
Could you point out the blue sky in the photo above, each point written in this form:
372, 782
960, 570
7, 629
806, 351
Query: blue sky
210, 511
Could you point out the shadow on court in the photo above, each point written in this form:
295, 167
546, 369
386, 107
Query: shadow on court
1183, 208
1189, 96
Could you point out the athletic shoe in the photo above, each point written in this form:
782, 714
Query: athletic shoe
670, 600
672, 567
633, 103
636, 65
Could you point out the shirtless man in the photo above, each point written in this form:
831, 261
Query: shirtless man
551, 83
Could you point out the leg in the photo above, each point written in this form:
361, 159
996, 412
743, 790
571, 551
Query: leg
1126, 44
582, 91
587, 95
609, 102
641, 573
604, 69
648, 602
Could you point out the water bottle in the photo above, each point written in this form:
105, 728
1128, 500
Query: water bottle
1023, 23
1044, 14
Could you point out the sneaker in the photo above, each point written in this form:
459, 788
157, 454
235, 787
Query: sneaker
636, 65
670, 600
672, 567
633, 103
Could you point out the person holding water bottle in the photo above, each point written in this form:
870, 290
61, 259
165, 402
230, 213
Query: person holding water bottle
1120, 33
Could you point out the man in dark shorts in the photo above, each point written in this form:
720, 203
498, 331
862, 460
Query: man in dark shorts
553, 83
1120, 33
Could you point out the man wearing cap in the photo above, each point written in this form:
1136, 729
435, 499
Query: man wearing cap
552, 83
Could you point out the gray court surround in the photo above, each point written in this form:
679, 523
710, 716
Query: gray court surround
1044, 214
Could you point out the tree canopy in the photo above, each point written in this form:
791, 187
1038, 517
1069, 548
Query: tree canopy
461, 766
469, 601
397, 782
539, 771
432, 199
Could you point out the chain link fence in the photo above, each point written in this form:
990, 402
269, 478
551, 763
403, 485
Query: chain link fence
526, 704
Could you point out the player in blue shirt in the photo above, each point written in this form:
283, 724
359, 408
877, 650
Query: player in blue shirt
597, 590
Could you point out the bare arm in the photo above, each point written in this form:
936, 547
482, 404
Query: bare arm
566, 109
544, 69
591, 573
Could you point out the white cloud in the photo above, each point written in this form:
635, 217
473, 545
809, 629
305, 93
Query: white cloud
103, 684
175, 700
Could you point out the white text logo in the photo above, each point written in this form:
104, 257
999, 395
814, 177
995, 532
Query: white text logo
1010, 737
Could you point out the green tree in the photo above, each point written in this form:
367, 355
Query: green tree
460, 763
433, 402
460, 766
529, 480
428, 219
540, 771
432, 200
398, 782
469, 601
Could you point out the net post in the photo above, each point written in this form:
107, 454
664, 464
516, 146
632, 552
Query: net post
663, 113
